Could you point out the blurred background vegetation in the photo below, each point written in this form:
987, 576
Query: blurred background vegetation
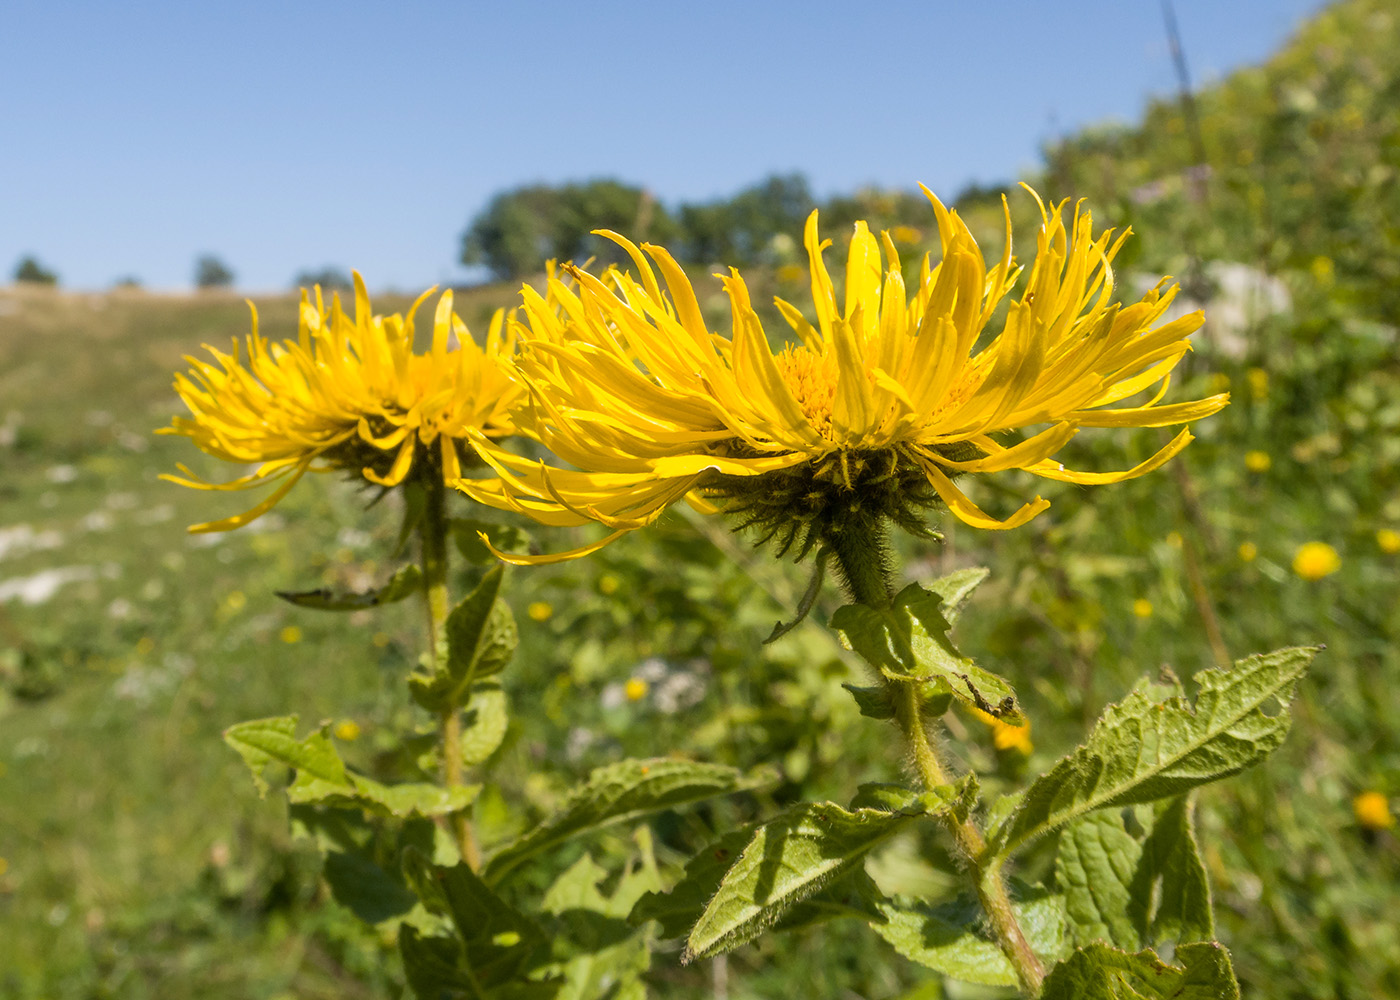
136, 860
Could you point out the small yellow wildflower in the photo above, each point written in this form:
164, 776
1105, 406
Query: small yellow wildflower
348, 394
1257, 461
1314, 560
1248, 551
1323, 270
1006, 736
4, 866
636, 689
347, 730
540, 611
907, 235
1219, 382
791, 274
290, 634
1389, 540
1258, 380
380, 639
1142, 607
608, 584
236, 600
145, 646
1174, 539
1372, 810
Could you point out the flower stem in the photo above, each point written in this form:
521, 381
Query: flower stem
432, 532
862, 553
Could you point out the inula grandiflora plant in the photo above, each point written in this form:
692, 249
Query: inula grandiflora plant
884, 398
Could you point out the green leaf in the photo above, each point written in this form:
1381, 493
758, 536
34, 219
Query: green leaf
878, 702
789, 859
466, 533
597, 952
1098, 972
481, 637
1140, 751
265, 741
956, 588
1094, 868
1171, 890
321, 776
370, 892
485, 723
432, 967
951, 938
909, 641
406, 582
622, 791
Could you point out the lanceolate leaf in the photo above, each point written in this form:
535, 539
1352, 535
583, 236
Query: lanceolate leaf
481, 638
909, 641
1094, 868
406, 582
1141, 751
789, 859
623, 791
1098, 972
952, 939
1171, 891
321, 776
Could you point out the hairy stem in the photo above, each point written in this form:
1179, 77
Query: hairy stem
862, 553
432, 532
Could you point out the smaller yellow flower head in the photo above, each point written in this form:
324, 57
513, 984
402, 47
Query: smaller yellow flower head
1257, 461
1258, 379
1314, 560
540, 611
348, 394
347, 730
1142, 608
1389, 541
1372, 811
608, 584
636, 689
1248, 551
290, 634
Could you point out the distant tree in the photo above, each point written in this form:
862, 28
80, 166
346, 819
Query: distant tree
128, 282
211, 272
522, 228
31, 272
740, 230
331, 279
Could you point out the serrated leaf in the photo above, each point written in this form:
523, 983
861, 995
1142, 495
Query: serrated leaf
499, 942
431, 966
597, 953
622, 791
956, 588
1094, 869
485, 723
321, 776
481, 637
370, 892
789, 859
265, 741
406, 582
1140, 751
1170, 889
909, 641
1197, 972
678, 909
951, 938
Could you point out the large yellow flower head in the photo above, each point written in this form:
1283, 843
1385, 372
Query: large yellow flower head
884, 401
348, 394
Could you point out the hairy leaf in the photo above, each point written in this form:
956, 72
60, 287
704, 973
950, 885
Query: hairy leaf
406, 582
1140, 751
956, 588
909, 641
485, 723
788, 860
1170, 890
623, 791
952, 937
1094, 868
1197, 972
481, 638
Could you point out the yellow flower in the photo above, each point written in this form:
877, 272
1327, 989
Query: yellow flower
1006, 736
1258, 380
882, 403
540, 611
236, 600
347, 730
1389, 540
1248, 551
905, 235
1257, 461
290, 634
1372, 810
380, 639
1142, 608
348, 394
636, 689
608, 584
1314, 560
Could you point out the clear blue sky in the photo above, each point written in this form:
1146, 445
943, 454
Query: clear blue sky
285, 136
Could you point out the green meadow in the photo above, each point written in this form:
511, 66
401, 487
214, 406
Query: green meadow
137, 859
